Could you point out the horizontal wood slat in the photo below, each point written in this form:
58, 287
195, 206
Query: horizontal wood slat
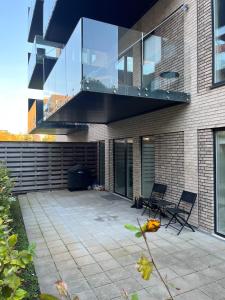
44, 166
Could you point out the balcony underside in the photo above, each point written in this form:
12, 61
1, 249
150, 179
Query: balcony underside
102, 108
37, 78
36, 26
57, 128
61, 26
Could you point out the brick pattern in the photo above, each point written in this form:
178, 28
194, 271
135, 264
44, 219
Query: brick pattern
204, 45
206, 179
136, 167
169, 163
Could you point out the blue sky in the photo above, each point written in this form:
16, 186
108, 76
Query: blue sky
13, 66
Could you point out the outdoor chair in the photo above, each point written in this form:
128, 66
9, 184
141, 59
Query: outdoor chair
182, 212
157, 194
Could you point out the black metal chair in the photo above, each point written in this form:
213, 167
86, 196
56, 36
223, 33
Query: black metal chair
182, 212
157, 194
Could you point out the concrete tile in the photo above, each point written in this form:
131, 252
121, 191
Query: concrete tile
107, 292
79, 253
85, 260
109, 264
213, 291
102, 256
192, 295
98, 280
77, 286
118, 274
86, 295
158, 292
91, 269
130, 285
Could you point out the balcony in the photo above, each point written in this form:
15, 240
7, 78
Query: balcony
36, 124
108, 73
61, 17
35, 19
41, 61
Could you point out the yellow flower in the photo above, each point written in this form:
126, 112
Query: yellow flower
61, 287
152, 225
145, 267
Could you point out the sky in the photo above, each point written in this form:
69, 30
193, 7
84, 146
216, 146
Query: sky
13, 66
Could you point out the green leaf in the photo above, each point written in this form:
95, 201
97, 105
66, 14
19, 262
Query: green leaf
12, 240
48, 297
20, 294
131, 227
134, 297
138, 234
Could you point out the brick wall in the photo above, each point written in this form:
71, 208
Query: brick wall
169, 163
206, 179
204, 45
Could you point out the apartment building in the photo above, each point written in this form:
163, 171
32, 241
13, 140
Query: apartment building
146, 79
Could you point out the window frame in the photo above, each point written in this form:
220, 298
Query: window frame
214, 83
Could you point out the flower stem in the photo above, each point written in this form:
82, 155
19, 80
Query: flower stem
149, 251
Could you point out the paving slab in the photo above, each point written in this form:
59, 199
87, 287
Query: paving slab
81, 239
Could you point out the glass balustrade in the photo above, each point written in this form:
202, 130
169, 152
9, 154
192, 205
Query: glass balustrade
31, 6
49, 6
105, 58
41, 50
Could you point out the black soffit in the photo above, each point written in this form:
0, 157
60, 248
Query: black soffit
101, 108
67, 13
56, 128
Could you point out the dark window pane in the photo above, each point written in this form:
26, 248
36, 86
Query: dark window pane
219, 40
220, 179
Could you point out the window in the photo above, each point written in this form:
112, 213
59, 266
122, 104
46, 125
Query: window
147, 166
219, 41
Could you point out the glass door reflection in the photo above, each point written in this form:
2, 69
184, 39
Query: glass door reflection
220, 183
123, 167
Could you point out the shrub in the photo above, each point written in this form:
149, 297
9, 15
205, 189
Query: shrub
12, 261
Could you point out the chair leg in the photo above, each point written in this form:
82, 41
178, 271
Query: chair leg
170, 221
144, 210
185, 223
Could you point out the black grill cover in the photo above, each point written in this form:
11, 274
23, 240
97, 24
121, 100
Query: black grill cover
79, 178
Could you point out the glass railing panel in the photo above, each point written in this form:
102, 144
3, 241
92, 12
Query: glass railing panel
105, 58
39, 52
32, 113
36, 57
163, 59
109, 56
31, 6
56, 86
49, 6
64, 82
73, 62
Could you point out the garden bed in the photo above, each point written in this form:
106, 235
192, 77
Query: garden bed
30, 283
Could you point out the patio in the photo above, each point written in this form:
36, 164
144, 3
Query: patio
81, 239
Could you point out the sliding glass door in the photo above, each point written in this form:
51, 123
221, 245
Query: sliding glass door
220, 182
123, 167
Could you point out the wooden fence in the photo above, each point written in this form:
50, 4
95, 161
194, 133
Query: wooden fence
44, 166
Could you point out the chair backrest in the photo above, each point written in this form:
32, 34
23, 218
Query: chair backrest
188, 198
158, 191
